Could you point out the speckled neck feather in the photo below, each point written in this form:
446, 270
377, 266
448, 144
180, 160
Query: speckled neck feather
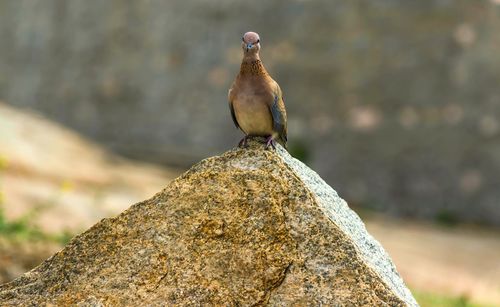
254, 67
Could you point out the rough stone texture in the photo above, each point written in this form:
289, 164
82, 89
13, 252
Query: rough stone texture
249, 227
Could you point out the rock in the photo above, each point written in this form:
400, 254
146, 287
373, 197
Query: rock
249, 227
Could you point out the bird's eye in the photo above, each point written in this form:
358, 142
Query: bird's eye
258, 41
243, 39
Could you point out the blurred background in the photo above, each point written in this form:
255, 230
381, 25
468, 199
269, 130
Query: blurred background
396, 104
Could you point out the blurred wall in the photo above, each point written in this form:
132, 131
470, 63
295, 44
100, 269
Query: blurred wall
395, 103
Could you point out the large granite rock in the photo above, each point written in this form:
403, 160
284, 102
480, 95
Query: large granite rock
249, 227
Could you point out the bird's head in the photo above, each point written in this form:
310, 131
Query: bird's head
250, 43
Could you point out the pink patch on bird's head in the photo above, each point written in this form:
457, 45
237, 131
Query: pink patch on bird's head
251, 38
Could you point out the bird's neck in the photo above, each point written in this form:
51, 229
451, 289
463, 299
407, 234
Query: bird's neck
252, 65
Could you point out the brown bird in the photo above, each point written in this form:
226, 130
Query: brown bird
255, 99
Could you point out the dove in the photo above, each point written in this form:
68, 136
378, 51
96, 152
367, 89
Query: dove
255, 99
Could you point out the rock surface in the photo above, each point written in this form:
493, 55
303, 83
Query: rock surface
249, 227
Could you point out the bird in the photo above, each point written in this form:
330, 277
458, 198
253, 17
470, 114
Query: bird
255, 99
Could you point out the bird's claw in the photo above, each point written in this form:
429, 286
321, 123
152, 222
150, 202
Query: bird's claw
243, 142
270, 142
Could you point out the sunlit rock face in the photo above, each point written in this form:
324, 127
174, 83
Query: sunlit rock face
249, 227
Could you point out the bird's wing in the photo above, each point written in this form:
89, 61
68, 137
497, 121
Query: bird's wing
279, 114
230, 97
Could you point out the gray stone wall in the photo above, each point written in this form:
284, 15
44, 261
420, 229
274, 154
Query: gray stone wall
396, 103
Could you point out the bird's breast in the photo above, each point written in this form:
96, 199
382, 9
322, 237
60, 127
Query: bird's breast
252, 113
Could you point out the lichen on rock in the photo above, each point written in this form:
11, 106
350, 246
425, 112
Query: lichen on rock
248, 227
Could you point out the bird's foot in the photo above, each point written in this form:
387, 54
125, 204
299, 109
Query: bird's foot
243, 142
270, 142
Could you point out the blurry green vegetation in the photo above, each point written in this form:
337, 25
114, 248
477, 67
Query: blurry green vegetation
426, 299
18, 228
300, 150
446, 218
363, 212
22, 228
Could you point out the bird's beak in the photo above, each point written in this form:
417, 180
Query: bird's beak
249, 46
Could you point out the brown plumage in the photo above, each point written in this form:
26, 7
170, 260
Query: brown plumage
255, 99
